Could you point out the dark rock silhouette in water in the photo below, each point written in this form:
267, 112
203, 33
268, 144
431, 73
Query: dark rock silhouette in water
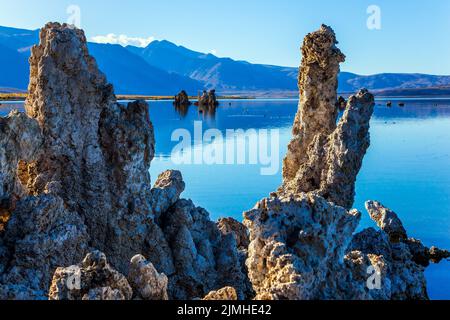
208, 99
302, 244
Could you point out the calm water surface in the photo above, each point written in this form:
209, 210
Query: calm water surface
407, 166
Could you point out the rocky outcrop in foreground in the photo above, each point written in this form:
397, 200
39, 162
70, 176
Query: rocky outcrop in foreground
74, 178
208, 99
75, 186
301, 235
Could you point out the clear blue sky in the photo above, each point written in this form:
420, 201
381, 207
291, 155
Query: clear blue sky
414, 35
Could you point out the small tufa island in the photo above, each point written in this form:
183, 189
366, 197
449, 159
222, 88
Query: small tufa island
81, 221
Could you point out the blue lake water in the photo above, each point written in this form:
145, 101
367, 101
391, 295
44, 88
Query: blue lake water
407, 167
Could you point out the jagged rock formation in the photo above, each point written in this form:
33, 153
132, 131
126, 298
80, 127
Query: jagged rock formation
318, 84
225, 294
74, 178
146, 282
93, 279
324, 156
182, 99
297, 247
230, 226
387, 220
203, 258
300, 235
182, 103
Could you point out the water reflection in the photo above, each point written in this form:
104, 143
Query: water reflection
182, 109
207, 112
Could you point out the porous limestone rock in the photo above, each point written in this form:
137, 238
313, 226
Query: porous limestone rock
95, 152
237, 229
166, 191
41, 235
75, 178
405, 258
225, 294
302, 244
204, 259
20, 141
325, 156
300, 234
297, 246
182, 99
208, 99
318, 84
240, 232
93, 279
146, 282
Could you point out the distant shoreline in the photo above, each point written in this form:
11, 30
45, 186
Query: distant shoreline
22, 97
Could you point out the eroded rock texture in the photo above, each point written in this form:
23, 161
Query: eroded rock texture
302, 244
182, 99
93, 279
225, 294
208, 99
324, 156
146, 282
75, 178
297, 247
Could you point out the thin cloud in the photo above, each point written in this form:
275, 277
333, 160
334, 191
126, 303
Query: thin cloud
123, 40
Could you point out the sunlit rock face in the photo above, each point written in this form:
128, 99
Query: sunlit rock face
75, 178
74, 186
302, 243
318, 85
326, 156
405, 258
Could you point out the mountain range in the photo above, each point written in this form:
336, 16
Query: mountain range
164, 68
